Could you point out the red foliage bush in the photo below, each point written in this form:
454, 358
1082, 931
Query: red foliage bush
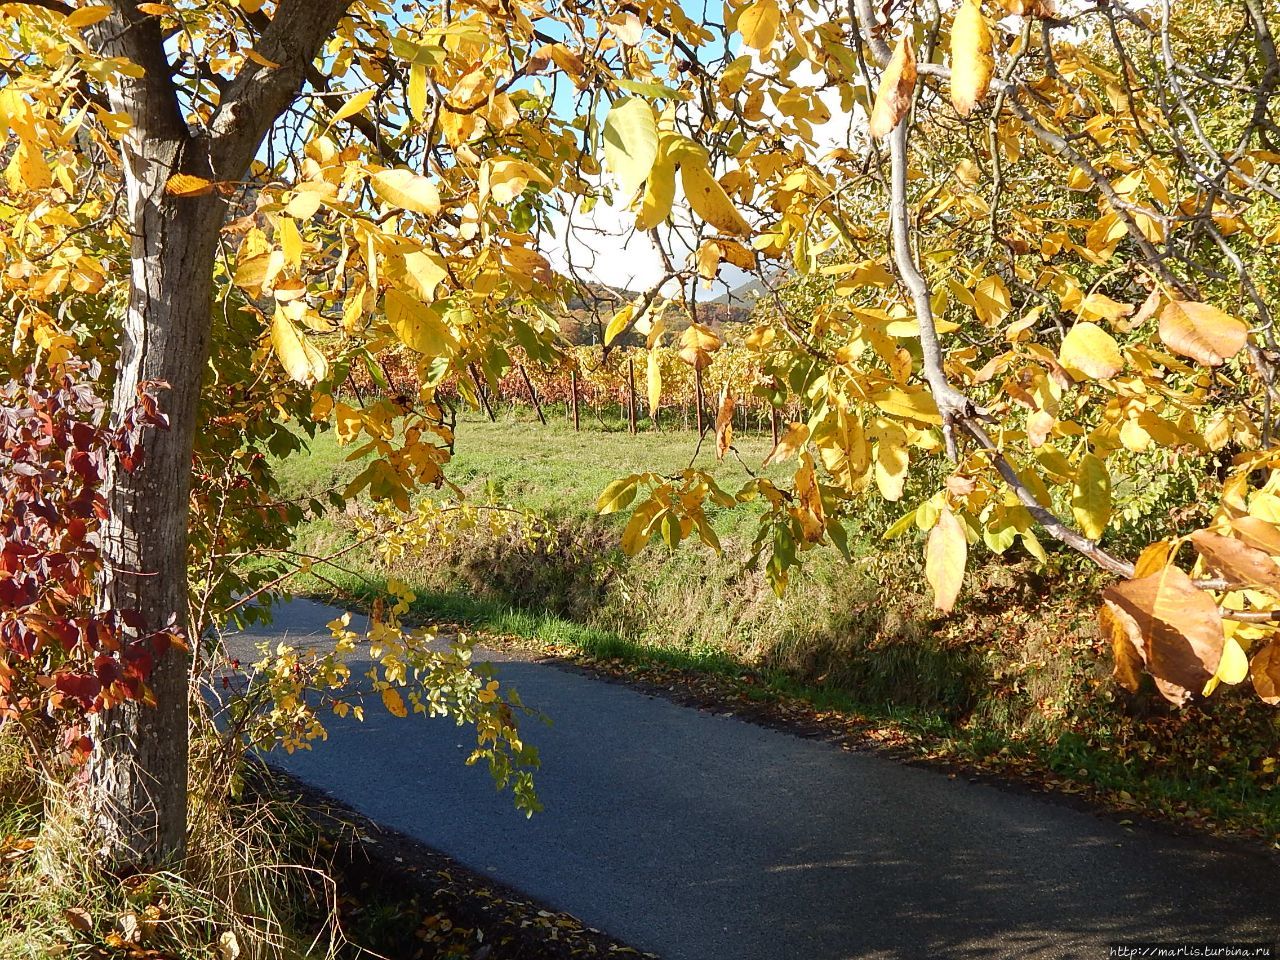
58, 657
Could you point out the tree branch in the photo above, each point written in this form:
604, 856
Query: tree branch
259, 94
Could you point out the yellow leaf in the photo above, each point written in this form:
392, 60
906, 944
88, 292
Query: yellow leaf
709, 201
617, 495
971, 61
640, 527
697, 343
1091, 496
354, 105
259, 59
187, 185
654, 377
1088, 351
506, 178
301, 360
87, 16
708, 260
1126, 649
619, 323
394, 703
290, 242
631, 142
418, 91
946, 554
407, 190
789, 444
1202, 332
758, 24
809, 510
659, 193
417, 325
1234, 665
891, 461
897, 86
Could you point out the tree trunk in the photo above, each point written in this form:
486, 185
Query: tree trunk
138, 769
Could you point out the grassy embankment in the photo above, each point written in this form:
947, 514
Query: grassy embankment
1015, 680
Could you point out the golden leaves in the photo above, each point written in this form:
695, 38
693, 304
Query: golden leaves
619, 323
971, 60
1174, 626
354, 104
659, 191
945, 556
505, 178
1090, 352
1202, 332
758, 24
697, 343
1091, 496
407, 191
808, 507
709, 200
394, 703
417, 325
897, 87
300, 358
789, 444
188, 185
653, 378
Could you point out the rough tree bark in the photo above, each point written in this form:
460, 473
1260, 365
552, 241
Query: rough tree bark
138, 769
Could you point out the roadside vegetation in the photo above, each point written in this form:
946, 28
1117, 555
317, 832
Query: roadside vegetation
1015, 681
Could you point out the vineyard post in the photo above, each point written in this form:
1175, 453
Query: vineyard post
573, 398
773, 423
533, 394
697, 395
631, 394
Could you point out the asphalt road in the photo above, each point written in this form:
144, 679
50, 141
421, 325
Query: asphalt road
701, 837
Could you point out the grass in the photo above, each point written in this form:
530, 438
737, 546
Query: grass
1015, 680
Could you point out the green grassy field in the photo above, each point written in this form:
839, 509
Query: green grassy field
1016, 677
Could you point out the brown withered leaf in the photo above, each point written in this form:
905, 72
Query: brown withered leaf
697, 343
1259, 534
1265, 670
1120, 630
1238, 562
897, 87
1179, 628
1202, 332
724, 422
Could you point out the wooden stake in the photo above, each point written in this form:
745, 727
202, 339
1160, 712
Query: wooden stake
482, 393
773, 423
573, 398
697, 399
631, 394
533, 394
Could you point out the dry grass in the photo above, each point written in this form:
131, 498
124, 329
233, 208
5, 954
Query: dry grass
252, 882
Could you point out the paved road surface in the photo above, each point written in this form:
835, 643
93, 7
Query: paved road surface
700, 837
